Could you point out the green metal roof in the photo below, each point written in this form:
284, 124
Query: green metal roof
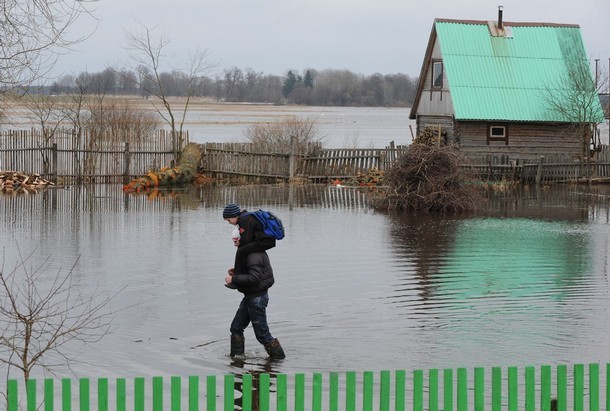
510, 78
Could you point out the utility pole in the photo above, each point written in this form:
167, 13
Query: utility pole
596, 73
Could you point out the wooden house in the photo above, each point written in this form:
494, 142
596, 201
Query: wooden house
520, 90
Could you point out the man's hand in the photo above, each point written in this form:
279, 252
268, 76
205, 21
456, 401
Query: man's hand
231, 271
228, 279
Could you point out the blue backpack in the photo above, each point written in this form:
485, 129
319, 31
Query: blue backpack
272, 225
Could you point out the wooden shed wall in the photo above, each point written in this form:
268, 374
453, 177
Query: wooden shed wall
435, 102
525, 141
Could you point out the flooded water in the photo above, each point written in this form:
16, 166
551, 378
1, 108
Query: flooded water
337, 127
524, 283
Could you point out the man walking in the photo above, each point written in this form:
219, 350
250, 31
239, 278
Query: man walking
254, 284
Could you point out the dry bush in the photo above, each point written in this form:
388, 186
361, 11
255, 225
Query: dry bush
428, 179
118, 120
277, 137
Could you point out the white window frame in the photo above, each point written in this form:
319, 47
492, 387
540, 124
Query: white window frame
494, 136
436, 79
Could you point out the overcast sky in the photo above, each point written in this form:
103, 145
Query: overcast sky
272, 36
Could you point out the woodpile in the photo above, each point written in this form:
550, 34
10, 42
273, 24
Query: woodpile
432, 137
14, 182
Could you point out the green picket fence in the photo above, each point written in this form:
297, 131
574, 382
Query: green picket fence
511, 389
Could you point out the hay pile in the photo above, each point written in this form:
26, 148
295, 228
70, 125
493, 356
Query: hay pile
428, 179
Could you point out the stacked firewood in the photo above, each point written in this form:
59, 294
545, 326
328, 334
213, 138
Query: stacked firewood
14, 182
430, 137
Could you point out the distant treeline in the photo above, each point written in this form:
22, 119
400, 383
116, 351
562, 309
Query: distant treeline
312, 87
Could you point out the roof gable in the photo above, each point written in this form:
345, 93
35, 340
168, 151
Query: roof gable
508, 78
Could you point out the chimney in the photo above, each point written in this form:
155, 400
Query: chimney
500, 25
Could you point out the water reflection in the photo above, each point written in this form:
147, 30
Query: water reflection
251, 379
478, 280
464, 259
525, 282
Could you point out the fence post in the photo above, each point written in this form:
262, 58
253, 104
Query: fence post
539, 173
126, 164
490, 173
438, 143
291, 159
54, 163
12, 400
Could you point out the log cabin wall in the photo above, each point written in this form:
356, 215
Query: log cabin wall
526, 141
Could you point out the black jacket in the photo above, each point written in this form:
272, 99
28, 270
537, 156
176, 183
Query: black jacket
252, 239
258, 278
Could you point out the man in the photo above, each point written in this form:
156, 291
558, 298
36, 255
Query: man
253, 283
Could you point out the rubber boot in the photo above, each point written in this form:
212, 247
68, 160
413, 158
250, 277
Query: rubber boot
275, 350
238, 344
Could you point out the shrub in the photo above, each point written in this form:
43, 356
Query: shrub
277, 137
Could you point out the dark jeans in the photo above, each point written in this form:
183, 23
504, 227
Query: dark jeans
253, 310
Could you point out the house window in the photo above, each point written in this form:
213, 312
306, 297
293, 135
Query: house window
497, 133
437, 74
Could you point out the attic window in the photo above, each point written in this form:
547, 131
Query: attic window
497, 133
437, 74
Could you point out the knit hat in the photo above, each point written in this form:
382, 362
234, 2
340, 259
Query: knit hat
230, 211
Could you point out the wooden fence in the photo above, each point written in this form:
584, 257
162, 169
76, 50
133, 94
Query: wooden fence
69, 158
511, 388
223, 160
542, 171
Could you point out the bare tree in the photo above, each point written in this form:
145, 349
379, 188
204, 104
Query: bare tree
574, 100
97, 118
43, 317
44, 112
32, 32
147, 54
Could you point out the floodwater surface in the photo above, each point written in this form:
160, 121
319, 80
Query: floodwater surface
524, 283
335, 127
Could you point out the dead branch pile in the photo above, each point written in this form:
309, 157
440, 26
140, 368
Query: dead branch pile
13, 182
428, 179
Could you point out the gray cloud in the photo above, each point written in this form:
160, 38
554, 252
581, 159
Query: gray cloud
271, 36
